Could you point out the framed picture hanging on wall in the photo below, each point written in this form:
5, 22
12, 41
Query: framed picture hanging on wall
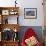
30, 13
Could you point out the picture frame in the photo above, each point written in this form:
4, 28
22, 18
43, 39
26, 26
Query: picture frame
12, 12
5, 12
30, 13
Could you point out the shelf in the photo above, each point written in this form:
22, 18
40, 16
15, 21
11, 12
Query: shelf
2, 8
11, 41
10, 19
10, 26
5, 12
9, 10
7, 23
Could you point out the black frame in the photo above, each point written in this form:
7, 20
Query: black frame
30, 9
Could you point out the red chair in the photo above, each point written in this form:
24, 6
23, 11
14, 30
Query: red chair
29, 33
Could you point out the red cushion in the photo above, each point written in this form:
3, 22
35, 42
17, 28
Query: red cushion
29, 33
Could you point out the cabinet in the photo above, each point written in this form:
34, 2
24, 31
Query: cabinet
6, 12
9, 26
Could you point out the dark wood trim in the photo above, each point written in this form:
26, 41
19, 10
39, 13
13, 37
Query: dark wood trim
5, 8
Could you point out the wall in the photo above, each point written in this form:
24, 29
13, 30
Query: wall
31, 4
27, 4
37, 29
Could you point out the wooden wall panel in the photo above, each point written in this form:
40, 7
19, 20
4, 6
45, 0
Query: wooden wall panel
45, 13
45, 22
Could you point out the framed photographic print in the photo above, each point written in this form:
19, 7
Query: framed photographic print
5, 12
13, 12
30, 13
